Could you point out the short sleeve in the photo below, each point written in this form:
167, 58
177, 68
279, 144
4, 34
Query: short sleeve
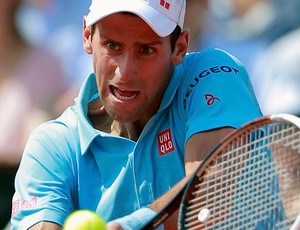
217, 92
45, 180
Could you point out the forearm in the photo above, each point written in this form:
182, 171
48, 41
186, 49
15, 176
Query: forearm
141, 217
162, 201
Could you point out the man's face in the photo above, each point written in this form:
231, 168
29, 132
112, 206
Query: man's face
132, 64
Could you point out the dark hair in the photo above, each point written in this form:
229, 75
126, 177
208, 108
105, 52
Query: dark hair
174, 35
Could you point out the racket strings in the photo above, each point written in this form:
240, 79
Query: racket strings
250, 181
220, 194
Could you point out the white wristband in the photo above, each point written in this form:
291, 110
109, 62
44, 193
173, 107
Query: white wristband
136, 220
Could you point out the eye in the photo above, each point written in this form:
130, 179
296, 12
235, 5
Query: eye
112, 46
147, 50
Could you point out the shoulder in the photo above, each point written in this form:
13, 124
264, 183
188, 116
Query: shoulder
214, 87
211, 65
210, 57
55, 136
66, 121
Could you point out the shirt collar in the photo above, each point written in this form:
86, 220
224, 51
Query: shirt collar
172, 87
86, 131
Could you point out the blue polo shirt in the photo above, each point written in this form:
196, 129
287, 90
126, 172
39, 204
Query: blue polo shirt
69, 165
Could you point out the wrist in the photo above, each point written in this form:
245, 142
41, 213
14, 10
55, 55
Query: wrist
136, 220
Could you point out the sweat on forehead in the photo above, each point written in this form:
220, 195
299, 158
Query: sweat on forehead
161, 15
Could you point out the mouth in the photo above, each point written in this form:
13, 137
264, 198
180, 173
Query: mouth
123, 95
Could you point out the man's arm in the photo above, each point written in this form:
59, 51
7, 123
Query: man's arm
197, 147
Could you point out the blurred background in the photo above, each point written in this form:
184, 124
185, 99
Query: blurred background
42, 62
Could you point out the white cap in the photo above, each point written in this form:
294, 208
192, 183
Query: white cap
161, 15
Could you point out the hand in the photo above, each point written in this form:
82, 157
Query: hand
113, 226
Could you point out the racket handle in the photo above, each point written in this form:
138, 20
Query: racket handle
296, 225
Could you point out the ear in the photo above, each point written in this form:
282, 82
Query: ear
181, 47
87, 37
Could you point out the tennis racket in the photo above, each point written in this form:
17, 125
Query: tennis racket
250, 181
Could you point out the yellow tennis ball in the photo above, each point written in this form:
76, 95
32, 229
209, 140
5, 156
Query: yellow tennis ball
84, 220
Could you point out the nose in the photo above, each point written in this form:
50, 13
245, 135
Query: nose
127, 68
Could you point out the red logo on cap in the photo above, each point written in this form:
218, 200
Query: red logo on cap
165, 4
165, 142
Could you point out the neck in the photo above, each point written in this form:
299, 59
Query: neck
103, 122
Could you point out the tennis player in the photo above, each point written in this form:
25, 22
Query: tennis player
140, 123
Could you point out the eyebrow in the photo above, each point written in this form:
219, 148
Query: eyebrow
149, 43
137, 44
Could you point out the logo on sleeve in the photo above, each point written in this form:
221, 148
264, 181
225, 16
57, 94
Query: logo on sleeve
210, 99
18, 205
15, 207
165, 142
